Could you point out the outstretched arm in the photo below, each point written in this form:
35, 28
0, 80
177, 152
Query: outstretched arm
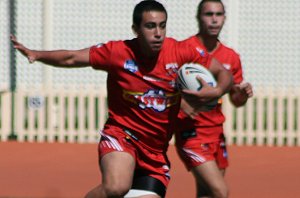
240, 93
57, 58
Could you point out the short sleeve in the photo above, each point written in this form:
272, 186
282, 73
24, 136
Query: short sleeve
100, 56
195, 54
237, 70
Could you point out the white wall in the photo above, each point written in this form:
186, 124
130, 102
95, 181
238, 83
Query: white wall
265, 33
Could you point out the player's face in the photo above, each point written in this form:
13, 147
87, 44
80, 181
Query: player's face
152, 31
212, 18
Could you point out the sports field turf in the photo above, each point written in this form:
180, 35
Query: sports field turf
43, 170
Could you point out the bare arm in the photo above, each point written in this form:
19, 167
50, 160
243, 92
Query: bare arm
188, 109
57, 58
224, 77
208, 93
240, 93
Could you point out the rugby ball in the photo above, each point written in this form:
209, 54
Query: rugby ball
187, 79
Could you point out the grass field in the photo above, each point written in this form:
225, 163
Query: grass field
41, 170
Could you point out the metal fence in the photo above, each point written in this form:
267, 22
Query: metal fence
270, 118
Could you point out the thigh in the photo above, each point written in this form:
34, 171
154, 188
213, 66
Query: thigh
209, 172
117, 167
117, 160
121, 156
223, 171
196, 154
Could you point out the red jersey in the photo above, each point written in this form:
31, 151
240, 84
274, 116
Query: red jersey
142, 97
209, 125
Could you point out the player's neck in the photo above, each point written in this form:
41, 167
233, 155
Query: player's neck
211, 43
147, 59
145, 52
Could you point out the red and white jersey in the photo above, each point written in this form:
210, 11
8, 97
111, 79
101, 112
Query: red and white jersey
142, 97
209, 125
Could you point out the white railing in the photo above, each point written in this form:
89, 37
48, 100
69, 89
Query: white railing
5, 115
271, 117
60, 115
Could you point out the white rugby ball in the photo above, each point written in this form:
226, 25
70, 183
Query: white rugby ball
187, 76
187, 79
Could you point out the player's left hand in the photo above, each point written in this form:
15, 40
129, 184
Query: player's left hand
244, 89
240, 93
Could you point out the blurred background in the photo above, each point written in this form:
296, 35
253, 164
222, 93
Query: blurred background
40, 103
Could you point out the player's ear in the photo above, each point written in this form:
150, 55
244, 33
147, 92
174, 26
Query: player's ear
134, 29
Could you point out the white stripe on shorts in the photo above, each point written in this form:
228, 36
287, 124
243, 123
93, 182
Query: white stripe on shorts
194, 155
111, 142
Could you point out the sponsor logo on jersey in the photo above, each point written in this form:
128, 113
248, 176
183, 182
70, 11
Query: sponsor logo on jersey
171, 68
227, 66
201, 51
131, 66
154, 99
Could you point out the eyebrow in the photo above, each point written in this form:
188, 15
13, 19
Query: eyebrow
211, 13
152, 22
